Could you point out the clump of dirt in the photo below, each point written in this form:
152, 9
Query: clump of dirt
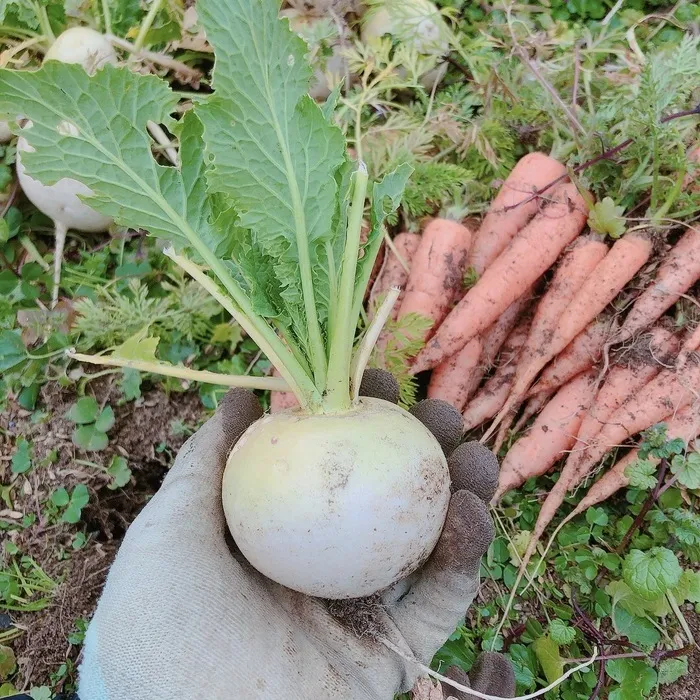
147, 433
361, 615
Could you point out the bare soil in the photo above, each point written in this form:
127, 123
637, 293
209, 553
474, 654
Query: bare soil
144, 435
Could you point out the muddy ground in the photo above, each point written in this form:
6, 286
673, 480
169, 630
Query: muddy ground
147, 432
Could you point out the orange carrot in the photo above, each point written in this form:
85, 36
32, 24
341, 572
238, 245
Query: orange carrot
494, 393
393, 273
532, 407
281, 400
437, 270
685, 424
664, 395
617, 268
454, 379
552, 434
509, 211
533, 251
637, 367
578, 356
678, 272
495, 336
645, 361
576, 265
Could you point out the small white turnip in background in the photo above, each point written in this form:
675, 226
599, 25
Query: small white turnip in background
337, 506
60, 201
82, 45
417, 23
5, 133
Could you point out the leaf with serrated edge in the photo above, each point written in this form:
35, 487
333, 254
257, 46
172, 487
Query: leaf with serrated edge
271, 147
94, 128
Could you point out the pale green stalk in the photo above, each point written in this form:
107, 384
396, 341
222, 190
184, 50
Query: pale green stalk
147, 24
338, 386
364, 352
268, 341
107, 16
193, 375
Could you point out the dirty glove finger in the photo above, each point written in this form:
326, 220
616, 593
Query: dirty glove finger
446, 586
458, 675
474, 468
442, 419
379, 384
493, 674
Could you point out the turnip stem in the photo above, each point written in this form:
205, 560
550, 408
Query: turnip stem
162, 139
338, 385
60, 232
106, 14
147, 24
155, 57
194, 375
43, 17
370, 340
297, 380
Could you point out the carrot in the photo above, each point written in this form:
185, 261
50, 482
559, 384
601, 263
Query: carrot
393, 273
622, 382
496, 335
529, 254
509, 211
611, 274
685, 424
679, 271
576, 265
494, 393
664, 395
552, 434
532, 408
281, 400
454, 379
437, 270
578, 356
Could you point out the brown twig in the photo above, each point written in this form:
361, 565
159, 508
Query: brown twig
606, 155
459, 67
645, 508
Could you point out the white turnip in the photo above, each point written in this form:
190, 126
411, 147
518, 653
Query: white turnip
337, 506
60, 201
416, 23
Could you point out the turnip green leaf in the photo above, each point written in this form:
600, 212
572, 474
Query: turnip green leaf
22, 458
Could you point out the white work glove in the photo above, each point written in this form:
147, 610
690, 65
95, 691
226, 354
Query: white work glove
184, 617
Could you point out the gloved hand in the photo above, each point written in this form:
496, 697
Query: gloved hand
183, 617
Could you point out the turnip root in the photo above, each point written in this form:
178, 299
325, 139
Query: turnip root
5, 133
337, 506
60, 201
82, 45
